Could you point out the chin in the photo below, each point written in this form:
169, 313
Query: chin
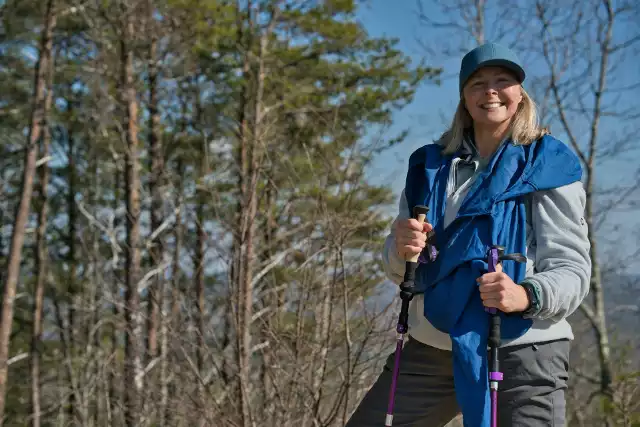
491, 120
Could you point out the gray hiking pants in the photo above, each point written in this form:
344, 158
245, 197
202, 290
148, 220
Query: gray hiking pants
531, 394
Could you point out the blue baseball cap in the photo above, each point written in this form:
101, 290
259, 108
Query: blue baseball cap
490, 54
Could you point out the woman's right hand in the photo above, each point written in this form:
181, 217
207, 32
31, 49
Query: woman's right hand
411, 237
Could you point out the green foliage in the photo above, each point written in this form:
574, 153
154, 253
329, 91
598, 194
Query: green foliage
324, 83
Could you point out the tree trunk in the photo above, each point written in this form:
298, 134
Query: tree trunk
239, 244
250, 159
199, 291
41, 256
133, 322
174, 324
201, 238
95, 330
600, 324
22, 212
156, 185
270, 301
114, 391
67, 355
72, 289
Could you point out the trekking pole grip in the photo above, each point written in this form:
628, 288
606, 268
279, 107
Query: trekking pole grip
419, 214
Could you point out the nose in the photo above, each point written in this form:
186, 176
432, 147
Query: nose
490, 89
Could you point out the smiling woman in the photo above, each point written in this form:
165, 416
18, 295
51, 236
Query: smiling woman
492, 96
494, 178
491, 75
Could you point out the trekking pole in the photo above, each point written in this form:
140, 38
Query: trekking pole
495, 256
407, 291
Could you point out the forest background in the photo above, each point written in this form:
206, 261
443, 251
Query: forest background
194, 195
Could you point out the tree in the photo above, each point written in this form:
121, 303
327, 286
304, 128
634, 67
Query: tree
133, 319
17, 235
583, 87
256, 120
41, 255
574, 70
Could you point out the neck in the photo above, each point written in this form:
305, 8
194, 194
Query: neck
488, 139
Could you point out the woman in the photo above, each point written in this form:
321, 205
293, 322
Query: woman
495, 177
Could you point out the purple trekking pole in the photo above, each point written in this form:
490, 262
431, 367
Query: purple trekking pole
407, 291
496, 255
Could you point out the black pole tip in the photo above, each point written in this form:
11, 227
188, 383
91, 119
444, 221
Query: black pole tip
420, 210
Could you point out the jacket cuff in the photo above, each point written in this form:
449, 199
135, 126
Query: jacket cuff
536, 299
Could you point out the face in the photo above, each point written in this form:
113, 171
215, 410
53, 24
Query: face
492, 96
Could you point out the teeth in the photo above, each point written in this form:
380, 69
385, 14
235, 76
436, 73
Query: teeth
491, 105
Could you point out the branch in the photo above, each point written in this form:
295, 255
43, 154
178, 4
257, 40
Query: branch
274, 262
624, 45
554, 81
612, 204
17, 358
142, 284
422, 16
160, 228
115, 247
601, 81
588, 312
586, 377
148, 368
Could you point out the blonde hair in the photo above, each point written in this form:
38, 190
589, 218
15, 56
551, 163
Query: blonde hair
523, 129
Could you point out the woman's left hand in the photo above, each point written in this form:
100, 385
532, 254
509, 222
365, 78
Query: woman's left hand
497, 290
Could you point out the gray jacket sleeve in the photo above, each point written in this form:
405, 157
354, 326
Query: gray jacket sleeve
562, 262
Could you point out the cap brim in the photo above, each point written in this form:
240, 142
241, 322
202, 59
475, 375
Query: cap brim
510, 65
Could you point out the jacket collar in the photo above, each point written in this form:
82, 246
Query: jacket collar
468, 150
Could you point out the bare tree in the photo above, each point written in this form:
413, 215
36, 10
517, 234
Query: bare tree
583, 55
214, 157
580, 90
43, 67
250, 155
41, 254
155, 319
155, 184
133, 322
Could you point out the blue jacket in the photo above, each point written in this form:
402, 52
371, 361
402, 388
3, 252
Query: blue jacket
493, 212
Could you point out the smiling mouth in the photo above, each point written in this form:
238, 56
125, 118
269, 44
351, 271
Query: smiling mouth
491, 105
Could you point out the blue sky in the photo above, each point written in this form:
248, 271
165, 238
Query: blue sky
423, 117
430, 112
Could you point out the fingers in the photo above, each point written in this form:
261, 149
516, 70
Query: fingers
493, 295
496, 297
494, 303
497, 290
414, 225
493, 286
413, 243
412, 229
411, 236
489, 278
